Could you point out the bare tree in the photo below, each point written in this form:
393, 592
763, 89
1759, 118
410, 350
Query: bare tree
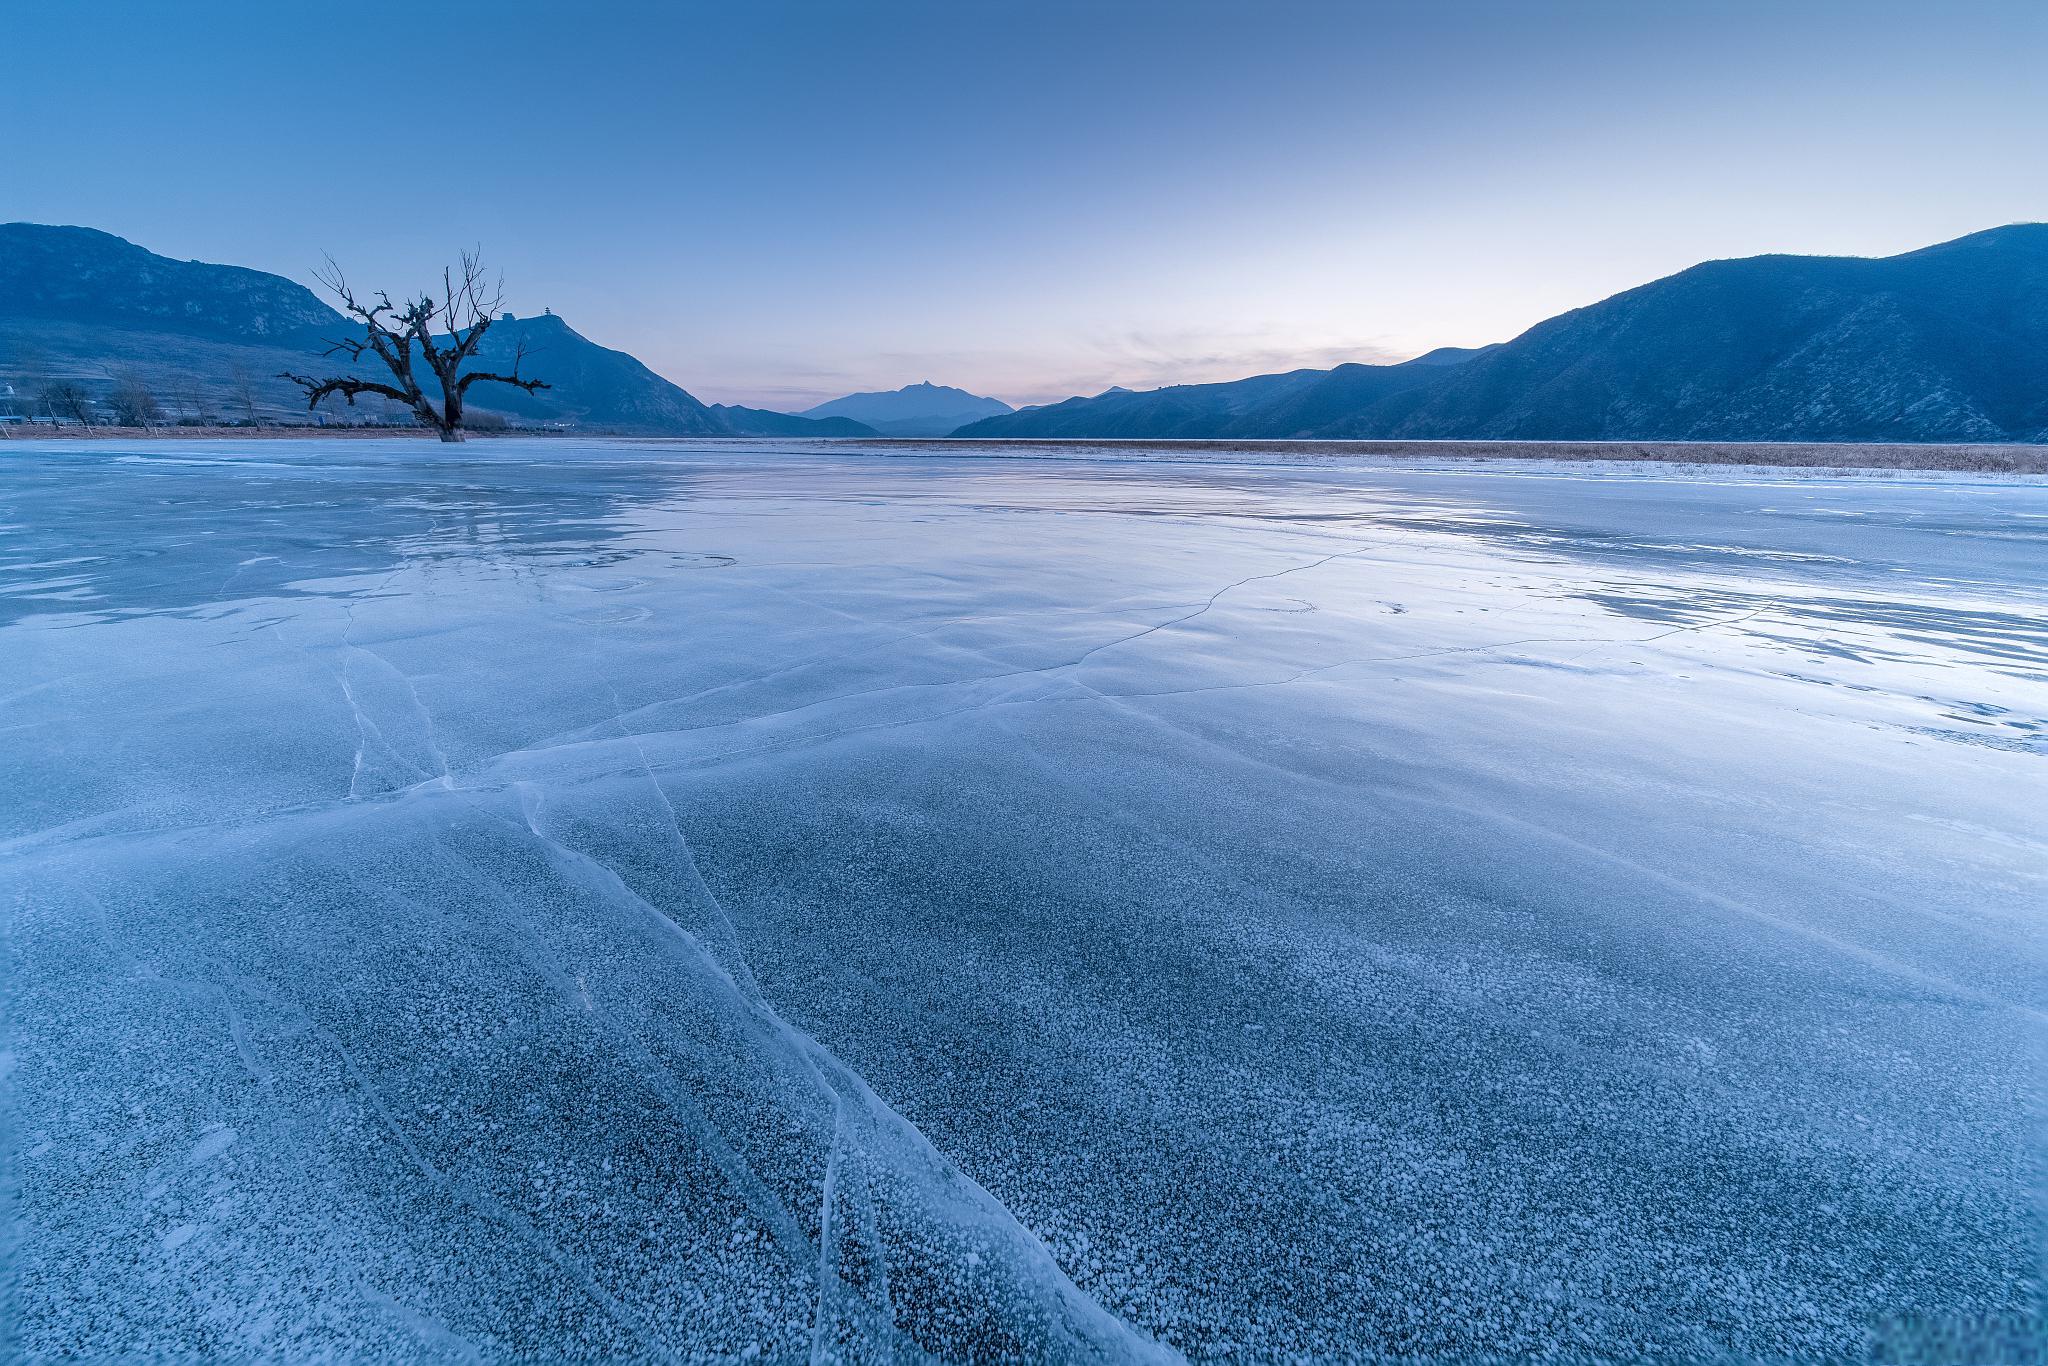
399, 335
67, 398
135, 403
244, 389
192, 401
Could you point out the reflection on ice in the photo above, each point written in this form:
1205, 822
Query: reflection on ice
597, 899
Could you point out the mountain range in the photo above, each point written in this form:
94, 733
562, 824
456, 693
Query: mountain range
925, 409
208, 341
1948, 343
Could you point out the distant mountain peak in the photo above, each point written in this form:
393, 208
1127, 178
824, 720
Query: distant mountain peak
921, 409
542, 321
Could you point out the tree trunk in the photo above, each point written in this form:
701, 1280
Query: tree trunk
451, 407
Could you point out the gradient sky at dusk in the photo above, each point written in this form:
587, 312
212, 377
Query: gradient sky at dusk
775, 203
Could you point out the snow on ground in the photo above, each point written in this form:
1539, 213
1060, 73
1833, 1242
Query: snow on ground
574, 899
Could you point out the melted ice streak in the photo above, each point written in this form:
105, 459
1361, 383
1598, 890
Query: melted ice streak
1344, 911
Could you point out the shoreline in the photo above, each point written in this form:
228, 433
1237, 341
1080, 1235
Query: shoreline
1986, 458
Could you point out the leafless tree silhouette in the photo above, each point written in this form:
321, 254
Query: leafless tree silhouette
244, 390
135, 403
402, 335
67, 398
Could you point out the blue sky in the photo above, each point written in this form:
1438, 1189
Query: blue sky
775, 203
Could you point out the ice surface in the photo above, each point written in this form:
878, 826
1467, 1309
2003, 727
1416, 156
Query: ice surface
573, 899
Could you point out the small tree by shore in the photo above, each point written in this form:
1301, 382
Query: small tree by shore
67, 398
443, 333
134, 403
243, 388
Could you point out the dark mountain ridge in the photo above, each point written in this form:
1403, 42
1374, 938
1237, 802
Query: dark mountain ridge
77, 303
763, 422
84, 276
1946, 343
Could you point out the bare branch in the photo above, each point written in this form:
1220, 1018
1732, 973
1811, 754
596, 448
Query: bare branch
352, 347
485, 377
347, 387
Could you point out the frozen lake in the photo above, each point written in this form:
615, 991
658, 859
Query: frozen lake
573, 899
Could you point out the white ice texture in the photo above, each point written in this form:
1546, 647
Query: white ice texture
560, 900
